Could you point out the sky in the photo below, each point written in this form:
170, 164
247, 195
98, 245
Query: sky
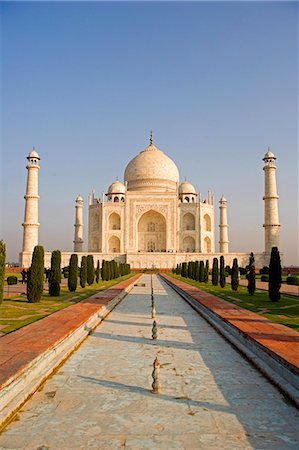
85, 82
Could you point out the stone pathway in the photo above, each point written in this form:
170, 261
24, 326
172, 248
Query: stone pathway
100, 398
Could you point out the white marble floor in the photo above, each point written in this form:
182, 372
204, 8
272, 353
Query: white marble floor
211, 397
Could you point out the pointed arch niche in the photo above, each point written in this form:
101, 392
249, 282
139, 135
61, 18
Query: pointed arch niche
151, 232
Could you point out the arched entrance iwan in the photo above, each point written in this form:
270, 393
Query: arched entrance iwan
151, 232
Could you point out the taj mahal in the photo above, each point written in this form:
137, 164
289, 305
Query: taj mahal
151, 220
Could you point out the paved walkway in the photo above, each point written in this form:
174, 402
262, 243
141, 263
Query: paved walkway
100, 398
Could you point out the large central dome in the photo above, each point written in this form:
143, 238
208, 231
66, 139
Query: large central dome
151, 170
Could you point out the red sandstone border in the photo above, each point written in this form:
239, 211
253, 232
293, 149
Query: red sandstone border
276, 339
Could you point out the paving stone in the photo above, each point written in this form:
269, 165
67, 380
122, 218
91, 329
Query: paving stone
211, 397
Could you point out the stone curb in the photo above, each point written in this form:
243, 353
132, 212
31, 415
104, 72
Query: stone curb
22, 384
279, 372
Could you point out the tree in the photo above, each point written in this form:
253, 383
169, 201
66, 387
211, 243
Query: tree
73, 273
103, 270
2, 268
90, 269
222, 272
184, 270
55, 274
83, 272
235, 275
108, 276
97, 272
35, 283
206, 273
251, 275
215, 272
201, 272
196, 271
274, 275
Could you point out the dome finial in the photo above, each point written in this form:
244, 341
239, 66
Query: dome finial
151, 137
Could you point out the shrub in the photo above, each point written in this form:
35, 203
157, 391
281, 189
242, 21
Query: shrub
235, 275
264, 270
55, 274
12, 279
222, 272
73, 273
215, 272
228, 270
265, 278
274, 275
66, 274
250, 275
83, 272
292, 279
2, 268
35, 283
90, 269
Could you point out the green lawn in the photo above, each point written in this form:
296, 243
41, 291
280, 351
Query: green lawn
285, 311
16, 312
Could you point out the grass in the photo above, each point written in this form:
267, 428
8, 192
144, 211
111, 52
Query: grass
16, 312
285, 311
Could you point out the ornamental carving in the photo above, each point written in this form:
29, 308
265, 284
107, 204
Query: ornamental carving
144, 208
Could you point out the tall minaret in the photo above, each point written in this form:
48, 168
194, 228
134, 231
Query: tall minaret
223, 226
31, 225
78, 241
270, 198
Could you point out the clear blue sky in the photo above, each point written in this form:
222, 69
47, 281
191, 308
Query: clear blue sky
85, 82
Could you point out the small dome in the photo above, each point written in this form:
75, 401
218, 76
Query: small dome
186, 188
117, 187
269, 155
222, 199
33, 154
79, 199
152, 170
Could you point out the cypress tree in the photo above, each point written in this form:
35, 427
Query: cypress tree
103, 270
112, 269
235, 275
206, 273
189, 269
196, 271
55, 274
108, 277
251, 275
83, 272
201, 272
90, 269
215, 272
2, 268
116, 270
97, 272
35, 283
274, 275
222, 272
73, 273
184, 270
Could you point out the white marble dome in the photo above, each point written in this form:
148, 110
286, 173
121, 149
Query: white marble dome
186, 188
117, 187
33, 154
269, 155
151, 170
